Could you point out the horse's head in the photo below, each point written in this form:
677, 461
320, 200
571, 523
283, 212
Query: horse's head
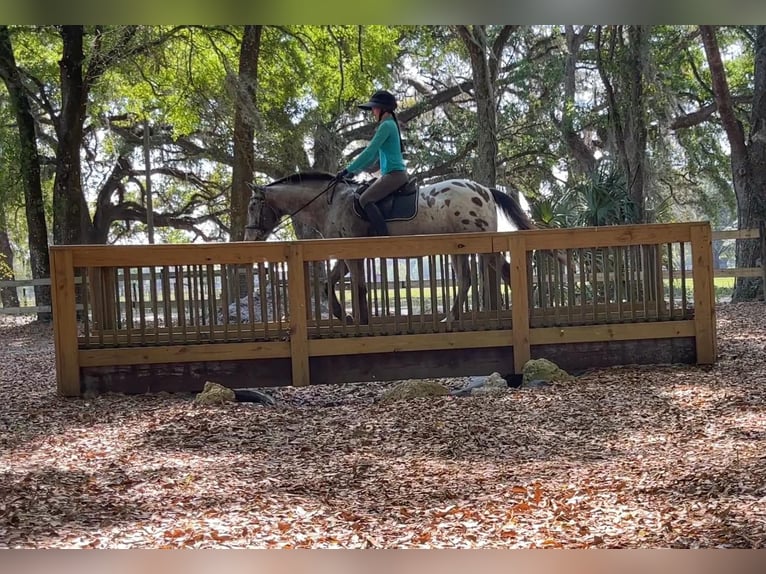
262, 218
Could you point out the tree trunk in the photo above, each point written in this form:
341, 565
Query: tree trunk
30, 171
71, 220
8, 295
244, 130
635, 108
748, 159
584, 161
625, 100
485, 165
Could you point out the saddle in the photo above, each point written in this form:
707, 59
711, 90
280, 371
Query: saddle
401, 205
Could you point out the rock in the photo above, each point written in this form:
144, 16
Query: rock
494, 385
414, 389
473, 383
543, 370
214, 394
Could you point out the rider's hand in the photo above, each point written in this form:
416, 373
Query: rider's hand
342, 174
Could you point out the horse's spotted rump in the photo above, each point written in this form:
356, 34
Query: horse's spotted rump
482, 224
430, 200
465, 221
438, 191
460, 183
472, 213
477, 201
457, 214
447, 202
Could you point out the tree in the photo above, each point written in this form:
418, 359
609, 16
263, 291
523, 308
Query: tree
485, 56
29, 166
623, 55
245, 114
748, 153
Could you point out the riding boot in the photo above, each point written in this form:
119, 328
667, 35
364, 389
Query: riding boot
377, 221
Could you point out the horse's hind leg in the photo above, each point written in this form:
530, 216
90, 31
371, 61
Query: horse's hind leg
359, 291
463, 279
490, 281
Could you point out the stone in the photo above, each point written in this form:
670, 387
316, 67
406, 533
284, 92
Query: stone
494, 385
214, 394
543, 370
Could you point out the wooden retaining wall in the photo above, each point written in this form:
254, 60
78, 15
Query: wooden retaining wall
150, 318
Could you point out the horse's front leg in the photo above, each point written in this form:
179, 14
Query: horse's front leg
359, 291
336, 273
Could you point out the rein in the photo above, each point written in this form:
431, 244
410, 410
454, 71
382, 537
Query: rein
330, 186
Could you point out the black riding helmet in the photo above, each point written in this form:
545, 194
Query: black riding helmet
381, 99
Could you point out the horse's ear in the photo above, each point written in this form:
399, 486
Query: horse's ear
254, 189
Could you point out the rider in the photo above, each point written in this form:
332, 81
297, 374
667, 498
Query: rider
386, 146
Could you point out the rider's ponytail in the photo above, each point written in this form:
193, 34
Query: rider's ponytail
398, 129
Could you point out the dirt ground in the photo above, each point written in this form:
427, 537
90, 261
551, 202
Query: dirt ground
633, 457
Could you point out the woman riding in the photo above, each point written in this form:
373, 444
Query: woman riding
387, 147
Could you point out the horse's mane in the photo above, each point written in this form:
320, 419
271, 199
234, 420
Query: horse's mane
304, 176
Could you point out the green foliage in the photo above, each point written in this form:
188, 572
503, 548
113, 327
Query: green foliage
5, 270
601, 199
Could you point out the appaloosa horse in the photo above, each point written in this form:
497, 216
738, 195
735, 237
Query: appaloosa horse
319, 201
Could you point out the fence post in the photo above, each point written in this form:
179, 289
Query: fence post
704, 300
296, 293
517, 245
64, 312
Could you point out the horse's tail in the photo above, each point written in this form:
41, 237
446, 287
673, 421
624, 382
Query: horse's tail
512, 208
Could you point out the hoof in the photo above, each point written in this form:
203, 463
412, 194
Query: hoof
349, 320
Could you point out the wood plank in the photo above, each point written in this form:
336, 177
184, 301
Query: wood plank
617, 332
520, 301
574, 357
607, 236
183, 353
736, 234
29, 310
239, 252
190, 377
401, 246
297, 297
420, 342
63, 302
32, 282
186, 377
704, 302
739, 272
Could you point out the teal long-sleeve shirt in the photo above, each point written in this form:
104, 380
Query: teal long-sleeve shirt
384, 146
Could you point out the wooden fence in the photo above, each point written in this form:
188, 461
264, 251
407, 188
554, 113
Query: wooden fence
156, 318
24, 287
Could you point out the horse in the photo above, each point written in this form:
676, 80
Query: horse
450, 206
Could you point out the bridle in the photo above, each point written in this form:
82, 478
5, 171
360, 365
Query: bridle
260, 225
